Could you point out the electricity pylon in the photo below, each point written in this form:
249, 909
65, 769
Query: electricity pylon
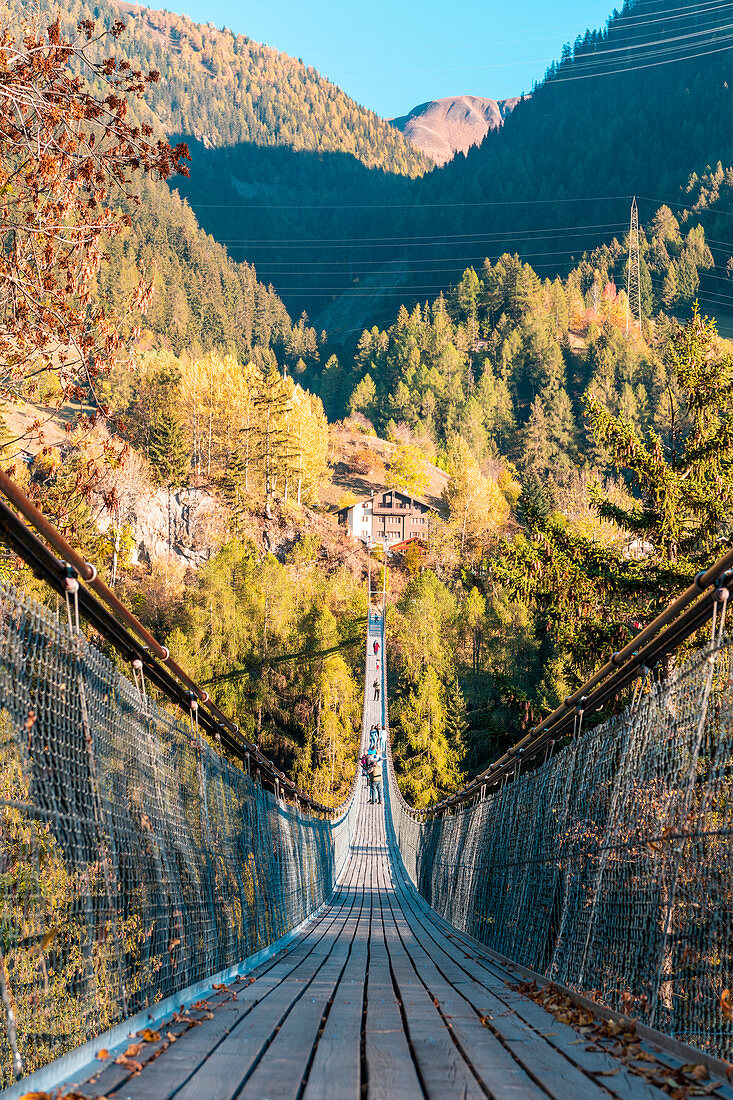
633, 271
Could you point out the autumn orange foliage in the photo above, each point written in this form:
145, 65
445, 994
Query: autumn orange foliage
69, 155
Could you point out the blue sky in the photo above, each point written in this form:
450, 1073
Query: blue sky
391, 55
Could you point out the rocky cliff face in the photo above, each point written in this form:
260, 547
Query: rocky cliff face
445, 127
187, 524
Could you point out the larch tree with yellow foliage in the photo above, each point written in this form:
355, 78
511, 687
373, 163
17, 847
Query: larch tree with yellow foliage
477, 508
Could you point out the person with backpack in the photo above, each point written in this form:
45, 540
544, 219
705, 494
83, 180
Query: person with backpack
375, 685
374, 771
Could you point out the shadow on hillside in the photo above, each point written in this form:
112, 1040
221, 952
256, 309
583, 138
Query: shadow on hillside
313, 224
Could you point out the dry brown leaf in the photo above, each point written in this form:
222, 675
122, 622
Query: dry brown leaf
101, 1054
171, 1037
149, 1035
132, 1052
726, 1005
48, 938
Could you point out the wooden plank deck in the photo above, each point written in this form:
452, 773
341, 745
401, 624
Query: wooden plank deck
378, 998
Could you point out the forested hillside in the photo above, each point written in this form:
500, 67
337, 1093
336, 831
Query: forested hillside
632, 110
218, 90
202, 298
636, 109
325, 198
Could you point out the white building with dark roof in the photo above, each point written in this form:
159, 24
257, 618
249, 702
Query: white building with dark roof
387, 516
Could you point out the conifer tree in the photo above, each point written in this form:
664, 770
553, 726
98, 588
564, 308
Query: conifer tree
475, 504
168, 450
364, 397
684, 488
272, 445
456, 720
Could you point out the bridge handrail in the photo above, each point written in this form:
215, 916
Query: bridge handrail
131, 639
679, 621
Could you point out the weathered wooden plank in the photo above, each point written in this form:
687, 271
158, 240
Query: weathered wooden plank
442, 1068
280, 1073
499, 1072
212, 1071
390, 1069
335, 1073
565, 1073
173, 1068
224, 1071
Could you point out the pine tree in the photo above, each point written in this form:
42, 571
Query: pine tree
168, 450
684, 489
272, 445
536, 447
364, 397
475, 504
456, 720
538, 499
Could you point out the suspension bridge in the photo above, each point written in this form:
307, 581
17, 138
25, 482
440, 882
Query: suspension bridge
176, 923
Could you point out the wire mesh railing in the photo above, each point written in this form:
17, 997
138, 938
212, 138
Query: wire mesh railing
134, 859
609, 867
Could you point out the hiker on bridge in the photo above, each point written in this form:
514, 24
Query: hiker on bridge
374, 771
375, 647
375, 685
383, 742
374, 736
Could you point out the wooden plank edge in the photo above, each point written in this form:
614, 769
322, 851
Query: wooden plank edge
687, 1054
82, 1062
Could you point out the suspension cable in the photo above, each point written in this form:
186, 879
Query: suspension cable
127, 635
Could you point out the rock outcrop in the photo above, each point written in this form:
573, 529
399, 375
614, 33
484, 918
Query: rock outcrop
188, 524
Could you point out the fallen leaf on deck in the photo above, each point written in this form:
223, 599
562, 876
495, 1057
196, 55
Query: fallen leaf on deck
132, 1052
149, 1035
101, 1054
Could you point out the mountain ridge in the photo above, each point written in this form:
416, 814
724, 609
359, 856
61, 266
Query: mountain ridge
440, 128
223, 88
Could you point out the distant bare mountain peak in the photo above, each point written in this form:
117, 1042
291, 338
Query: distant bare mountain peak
443, 127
